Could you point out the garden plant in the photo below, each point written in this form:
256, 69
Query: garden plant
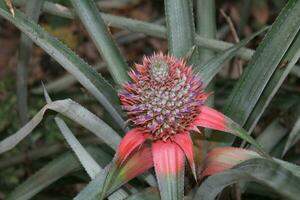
161, 135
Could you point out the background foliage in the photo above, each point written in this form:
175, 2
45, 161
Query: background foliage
81, 50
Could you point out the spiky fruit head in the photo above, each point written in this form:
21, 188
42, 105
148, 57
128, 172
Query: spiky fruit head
164, 97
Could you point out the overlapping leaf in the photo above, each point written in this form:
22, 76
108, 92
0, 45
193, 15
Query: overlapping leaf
54, 170
87, 161
113, 176
280, 179
147, 194
260, 69
208, 71
87, 76
73, 111
92, 20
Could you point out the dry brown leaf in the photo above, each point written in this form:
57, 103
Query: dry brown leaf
10, 6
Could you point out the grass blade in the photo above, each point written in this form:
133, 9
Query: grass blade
87, 76
92, 20
272, 174
32, 10
180, 26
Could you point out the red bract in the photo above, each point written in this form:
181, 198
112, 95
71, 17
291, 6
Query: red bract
223, 158
165, 102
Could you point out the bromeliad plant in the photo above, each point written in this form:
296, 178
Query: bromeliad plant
164, 102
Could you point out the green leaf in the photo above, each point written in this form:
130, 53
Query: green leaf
275, 133
260, 69
32, 10
206, 26
62, 83
168, 160
272, 135
295, 169
87, 76
147, 194
53, 171
293, 137
281, 72
272, 174
213, 66
95, 187
73, 111
93, 22
223, 158
114, 176
87, 161
180, 26
148, 29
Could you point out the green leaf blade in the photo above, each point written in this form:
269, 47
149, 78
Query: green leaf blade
206, 26
92, 20
73, 111
276, 80
207, 71
33, 9
85, 74
180, 26
266, 59
272, 174
53, 171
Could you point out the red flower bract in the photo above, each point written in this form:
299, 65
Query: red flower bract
164, 97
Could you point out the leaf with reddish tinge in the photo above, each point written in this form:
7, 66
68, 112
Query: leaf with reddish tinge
132, 140
211, 118
223, 158
168, 159
114, 176
139, 162
275, 175
185, 142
